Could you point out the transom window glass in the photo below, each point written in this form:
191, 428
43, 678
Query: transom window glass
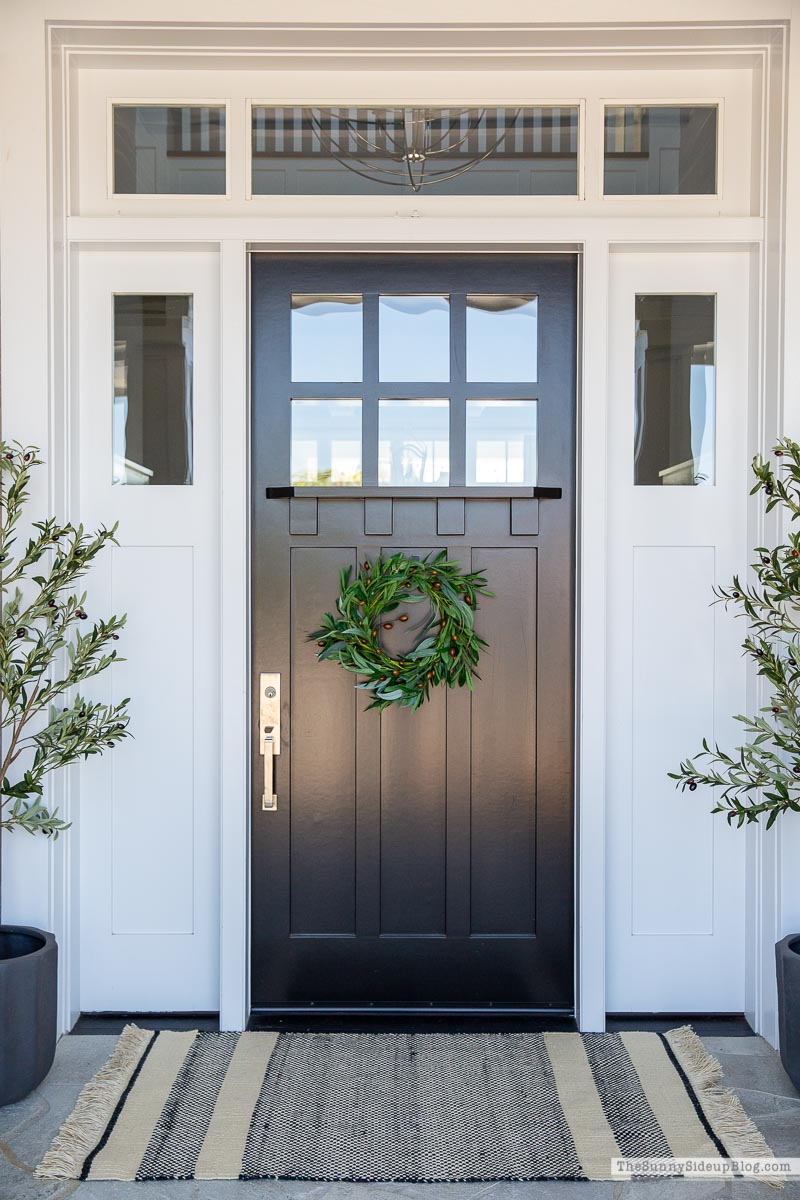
674, 390
508, 151
660, 150
152, 413
169, 150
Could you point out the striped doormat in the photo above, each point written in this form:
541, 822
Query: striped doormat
397, 1107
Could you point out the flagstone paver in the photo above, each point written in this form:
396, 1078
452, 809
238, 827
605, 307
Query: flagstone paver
26, 1129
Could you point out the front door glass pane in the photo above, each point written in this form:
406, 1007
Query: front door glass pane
327, 339
414, 338
502, 333
414, 442
501, 441
521, 150
326, 442
660, 150
674, 390
152, 415
169, 150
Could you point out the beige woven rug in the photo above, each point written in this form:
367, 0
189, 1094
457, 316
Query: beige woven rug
411, 1107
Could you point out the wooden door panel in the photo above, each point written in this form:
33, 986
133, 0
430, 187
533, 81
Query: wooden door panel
416, 859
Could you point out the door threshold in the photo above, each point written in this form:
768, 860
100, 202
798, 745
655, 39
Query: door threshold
411, 1020
406, 1010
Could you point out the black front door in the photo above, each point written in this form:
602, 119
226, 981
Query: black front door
415, 859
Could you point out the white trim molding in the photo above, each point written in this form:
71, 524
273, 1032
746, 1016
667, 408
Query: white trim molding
175, 39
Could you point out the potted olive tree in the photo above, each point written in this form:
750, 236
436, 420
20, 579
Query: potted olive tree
48, 647
761, 778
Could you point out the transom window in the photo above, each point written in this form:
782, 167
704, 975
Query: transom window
521, 150
180, 149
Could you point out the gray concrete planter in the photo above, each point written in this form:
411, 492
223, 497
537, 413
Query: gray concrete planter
28, 975
787, 955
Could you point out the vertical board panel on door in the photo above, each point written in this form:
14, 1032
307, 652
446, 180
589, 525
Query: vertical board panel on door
323, 819
673, 697
503, 751
153, 818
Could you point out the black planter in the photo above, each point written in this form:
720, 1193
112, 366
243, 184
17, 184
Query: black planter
28, 976
787, 956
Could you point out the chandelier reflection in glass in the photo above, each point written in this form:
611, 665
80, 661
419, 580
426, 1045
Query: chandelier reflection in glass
418, 147
350, 150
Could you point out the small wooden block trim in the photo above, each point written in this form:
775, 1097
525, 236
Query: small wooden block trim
304, 515
525, 517
379, 517
450, 517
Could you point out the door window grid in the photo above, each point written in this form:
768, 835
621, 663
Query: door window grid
462, 434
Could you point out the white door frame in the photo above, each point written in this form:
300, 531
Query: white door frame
69, 45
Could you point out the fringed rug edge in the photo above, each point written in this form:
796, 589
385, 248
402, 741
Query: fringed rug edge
94, 1108
722, 1107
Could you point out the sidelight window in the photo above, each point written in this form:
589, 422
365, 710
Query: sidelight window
152, 414
674, 365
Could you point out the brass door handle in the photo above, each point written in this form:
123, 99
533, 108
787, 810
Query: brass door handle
269, 733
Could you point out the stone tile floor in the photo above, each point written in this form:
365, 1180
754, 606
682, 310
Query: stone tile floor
26, 1129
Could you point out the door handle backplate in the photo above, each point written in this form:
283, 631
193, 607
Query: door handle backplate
269, 733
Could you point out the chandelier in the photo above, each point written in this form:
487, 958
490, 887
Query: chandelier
412, 147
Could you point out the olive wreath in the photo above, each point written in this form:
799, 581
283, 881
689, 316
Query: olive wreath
449, 655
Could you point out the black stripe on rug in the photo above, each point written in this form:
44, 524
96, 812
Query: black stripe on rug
632, 1120
175, 1144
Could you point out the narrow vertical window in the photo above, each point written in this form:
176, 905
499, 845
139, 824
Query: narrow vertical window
152, 412
674, 362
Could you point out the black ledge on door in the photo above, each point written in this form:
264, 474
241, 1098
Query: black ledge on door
415, 493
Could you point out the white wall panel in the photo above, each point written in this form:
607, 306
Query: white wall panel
672, 842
